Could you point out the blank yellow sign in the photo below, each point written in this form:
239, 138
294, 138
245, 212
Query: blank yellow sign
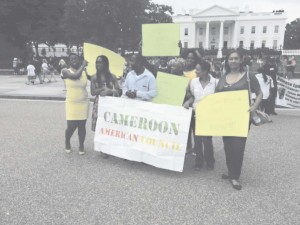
171, 89
223, 114
91, 52
160, 39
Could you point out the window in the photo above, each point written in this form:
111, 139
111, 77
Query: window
241, 44
186, 31
201, 31
185, 45
253, 30
242, 30
264, 29
212, 46
275, 44
263, 44
252, 45
200, 44
226, 30
225, 44
213, 31
276, 29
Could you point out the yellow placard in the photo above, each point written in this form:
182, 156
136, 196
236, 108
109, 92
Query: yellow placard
91, 52
171, 89
160, 39
223, 114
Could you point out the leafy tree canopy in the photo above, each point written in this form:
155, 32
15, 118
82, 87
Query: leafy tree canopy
292, 35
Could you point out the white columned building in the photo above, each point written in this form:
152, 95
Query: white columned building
217, 27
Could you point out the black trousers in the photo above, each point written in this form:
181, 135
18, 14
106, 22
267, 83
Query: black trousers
204, 150
191, 131
265, 106
234, 152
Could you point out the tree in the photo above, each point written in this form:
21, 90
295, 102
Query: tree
292, 35
111, 23
29, 22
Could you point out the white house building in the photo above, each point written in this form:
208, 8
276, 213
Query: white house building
217, 27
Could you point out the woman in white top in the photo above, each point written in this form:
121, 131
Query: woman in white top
266, 84
45, 69
204, 84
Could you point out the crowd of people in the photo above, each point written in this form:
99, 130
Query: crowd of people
207, 76
139, 82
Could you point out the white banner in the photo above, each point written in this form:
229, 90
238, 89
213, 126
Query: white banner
288, 93
141, 131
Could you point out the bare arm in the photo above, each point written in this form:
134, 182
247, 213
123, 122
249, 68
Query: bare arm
66, 74
89, 77
117, 89
189, 97
258, 99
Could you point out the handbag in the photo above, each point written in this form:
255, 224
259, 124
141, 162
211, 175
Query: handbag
257, 117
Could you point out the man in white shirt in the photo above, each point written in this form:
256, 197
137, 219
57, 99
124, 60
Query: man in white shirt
140, 83
204, 84
30, 73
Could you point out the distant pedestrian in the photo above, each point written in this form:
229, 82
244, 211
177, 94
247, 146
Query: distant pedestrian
291, 65
272, 70
266, 85
45, 70
284, 62
15, 66
38, 72
61, 65
30, 73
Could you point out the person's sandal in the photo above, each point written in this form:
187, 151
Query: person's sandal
235, 184
81, 151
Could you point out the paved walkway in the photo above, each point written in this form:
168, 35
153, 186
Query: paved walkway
14, 86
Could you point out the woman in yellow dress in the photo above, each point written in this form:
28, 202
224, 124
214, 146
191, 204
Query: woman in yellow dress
77, 101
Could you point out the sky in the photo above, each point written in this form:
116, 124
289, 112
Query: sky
291, 7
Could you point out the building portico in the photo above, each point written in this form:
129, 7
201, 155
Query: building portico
218, 28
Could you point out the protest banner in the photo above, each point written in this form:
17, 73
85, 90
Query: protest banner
288, 93
143, 131
223, 114
160, 39
91, 52
171, 89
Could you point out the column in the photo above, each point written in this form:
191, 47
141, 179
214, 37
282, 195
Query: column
234, 43
207, 35
221, 40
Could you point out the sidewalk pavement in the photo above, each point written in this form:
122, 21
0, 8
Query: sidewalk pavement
15, 87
